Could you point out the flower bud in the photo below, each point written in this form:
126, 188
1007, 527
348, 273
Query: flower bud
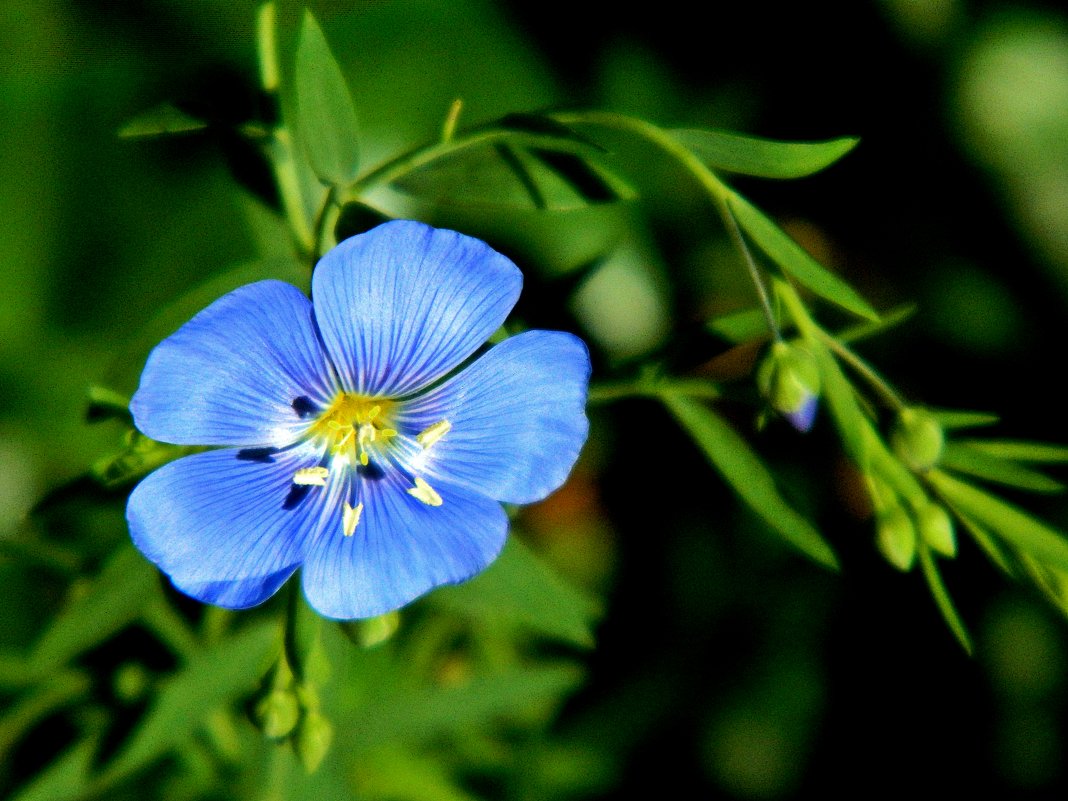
312, 740
917, 438
936, 528
896, 537
276, 714
789, 378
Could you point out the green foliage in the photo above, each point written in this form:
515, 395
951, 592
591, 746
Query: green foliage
747, 475
326, 116
464, 689
764, 158
795, 261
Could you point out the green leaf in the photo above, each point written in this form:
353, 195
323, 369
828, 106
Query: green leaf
943, 599
1020, 450
764, 158
795, 261
162, 120
215, 677
113, 601
964, 457
890, 319
1007, 521
130, 357
139, 457
67, 778
546, 126
853, 425
422, 714
107, 404
326, 116
994, 549
520, 589
745, 472
740, 326
518, 170
952, 419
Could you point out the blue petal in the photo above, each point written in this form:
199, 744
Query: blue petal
404, 303
517, 415
401, 548
246, 371
804, 415
228, 526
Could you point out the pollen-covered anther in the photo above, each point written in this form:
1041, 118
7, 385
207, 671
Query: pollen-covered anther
350, 518
425, 493
311, 477
433, 433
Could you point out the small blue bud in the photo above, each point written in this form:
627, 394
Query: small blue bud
789, 379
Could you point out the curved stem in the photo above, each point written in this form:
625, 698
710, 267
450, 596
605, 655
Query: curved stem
718, 192
863, 369
320, 224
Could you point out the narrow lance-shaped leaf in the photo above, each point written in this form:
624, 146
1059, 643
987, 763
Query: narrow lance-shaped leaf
114, 600
161, 120
795, 261
518, 588
214, 677
747, 475
764, 158
1013, 525
966, 458
953, 419
942, 598
326, 115
1022, 451
740, 326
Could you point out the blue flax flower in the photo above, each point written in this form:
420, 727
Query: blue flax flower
354, 449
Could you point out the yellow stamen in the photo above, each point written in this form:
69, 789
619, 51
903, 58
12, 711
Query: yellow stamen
350, 518
311, 477
425, 493
433, 433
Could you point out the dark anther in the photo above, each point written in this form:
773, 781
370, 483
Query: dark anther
303, 406
297, 493
257, 454
371, 471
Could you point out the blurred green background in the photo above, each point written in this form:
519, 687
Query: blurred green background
723, 662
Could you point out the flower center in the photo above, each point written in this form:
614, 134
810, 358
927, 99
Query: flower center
355, 427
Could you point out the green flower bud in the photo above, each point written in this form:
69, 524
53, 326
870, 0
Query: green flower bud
896, 537
277, 713
312, 740
917, 438
789, 378
936, 528
130, 682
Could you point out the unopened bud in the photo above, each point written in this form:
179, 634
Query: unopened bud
896, 537
789, 378
936, 528
312, 740
917, 438
277, 713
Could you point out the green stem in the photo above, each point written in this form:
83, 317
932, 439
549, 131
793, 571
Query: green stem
809, 328
414, 159
608, 392
717, 191
863, 369
320, 224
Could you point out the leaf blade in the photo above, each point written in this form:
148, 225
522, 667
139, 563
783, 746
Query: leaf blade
326, 116
732, 457
795, 261
1010, 523
759, 157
